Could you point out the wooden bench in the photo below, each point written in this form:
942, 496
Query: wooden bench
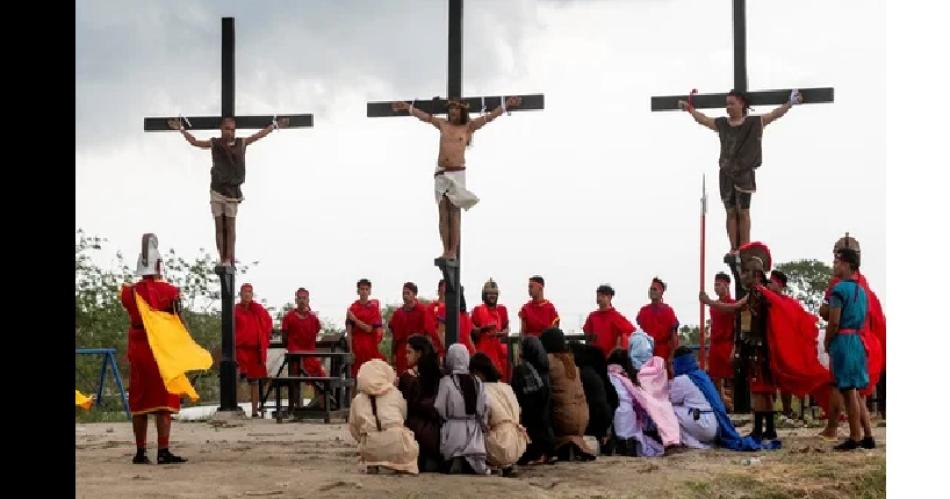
336, 393
336, 388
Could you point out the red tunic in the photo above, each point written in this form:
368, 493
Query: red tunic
873, 334
607, 326
538, 317
433, 312
365, 344
465, 329
301, 333
403, 324
147, 391
496, 319
252, 328
721, 341
660, 322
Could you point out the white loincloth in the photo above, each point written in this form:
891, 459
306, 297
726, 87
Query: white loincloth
452, 185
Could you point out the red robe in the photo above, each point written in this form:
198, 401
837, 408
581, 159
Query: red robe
538, 317
433, 311
403, 324
873, 333
147, 391
660, 322
721, 341
252, 328
365, 344
496, 320
465, 329
302, 337
793, 346
607, 326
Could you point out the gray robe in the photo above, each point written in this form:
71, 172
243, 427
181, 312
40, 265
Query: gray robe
463, 435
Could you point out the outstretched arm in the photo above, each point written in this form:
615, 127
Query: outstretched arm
700, 118
718, 305
264, 132
175, 124
418, 113
488, 118
794, 98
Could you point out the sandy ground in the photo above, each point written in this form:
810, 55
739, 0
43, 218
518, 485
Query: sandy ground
305, 459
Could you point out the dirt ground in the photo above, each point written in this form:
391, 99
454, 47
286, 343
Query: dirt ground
256, 458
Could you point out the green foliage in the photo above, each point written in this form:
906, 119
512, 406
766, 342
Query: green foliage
807, 281
102, 322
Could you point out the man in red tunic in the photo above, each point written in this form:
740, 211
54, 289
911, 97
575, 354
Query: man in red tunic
873, 335
252, 328
408, 320
300, 328
491, 324
721, 339
538, 314
465, 324
433, 311
660, 322
147, 393
606, 327
364, 326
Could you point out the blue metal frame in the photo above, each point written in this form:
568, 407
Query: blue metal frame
108, 361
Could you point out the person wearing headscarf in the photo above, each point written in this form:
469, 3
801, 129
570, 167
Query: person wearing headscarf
633, 430
419, 384
532, 386
641, 349
693, 389
463, 405
600, 393
569, 413
376, 422
506, 439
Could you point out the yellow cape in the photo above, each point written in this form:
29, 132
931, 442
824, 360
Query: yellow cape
83, 401
175, 351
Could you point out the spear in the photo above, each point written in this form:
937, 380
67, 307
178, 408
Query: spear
702, 275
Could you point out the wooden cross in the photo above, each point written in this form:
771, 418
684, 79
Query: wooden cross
228, 366
452, 271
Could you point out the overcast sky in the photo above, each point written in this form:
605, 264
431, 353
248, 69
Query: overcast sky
595, 188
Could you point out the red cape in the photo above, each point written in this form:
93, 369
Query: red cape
793, 347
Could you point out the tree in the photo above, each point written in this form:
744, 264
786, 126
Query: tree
101, 321
807, 281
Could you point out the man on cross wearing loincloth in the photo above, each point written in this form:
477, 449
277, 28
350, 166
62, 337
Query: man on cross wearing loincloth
450, 192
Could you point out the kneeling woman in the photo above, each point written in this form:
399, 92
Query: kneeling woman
463, 405
377, 417
506, 439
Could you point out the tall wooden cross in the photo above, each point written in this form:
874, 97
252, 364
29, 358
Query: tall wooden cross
452, 272
756, 97
228, 366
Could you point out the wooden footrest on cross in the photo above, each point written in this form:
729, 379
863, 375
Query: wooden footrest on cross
336, 397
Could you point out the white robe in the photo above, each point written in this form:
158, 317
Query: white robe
686, 396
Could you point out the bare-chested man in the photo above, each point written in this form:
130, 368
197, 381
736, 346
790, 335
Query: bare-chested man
227, 175
740, 153
450, 192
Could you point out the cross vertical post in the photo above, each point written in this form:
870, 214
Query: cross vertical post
740, 74
453, 274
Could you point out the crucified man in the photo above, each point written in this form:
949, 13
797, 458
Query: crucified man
740, 137
227, 175
450, 192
